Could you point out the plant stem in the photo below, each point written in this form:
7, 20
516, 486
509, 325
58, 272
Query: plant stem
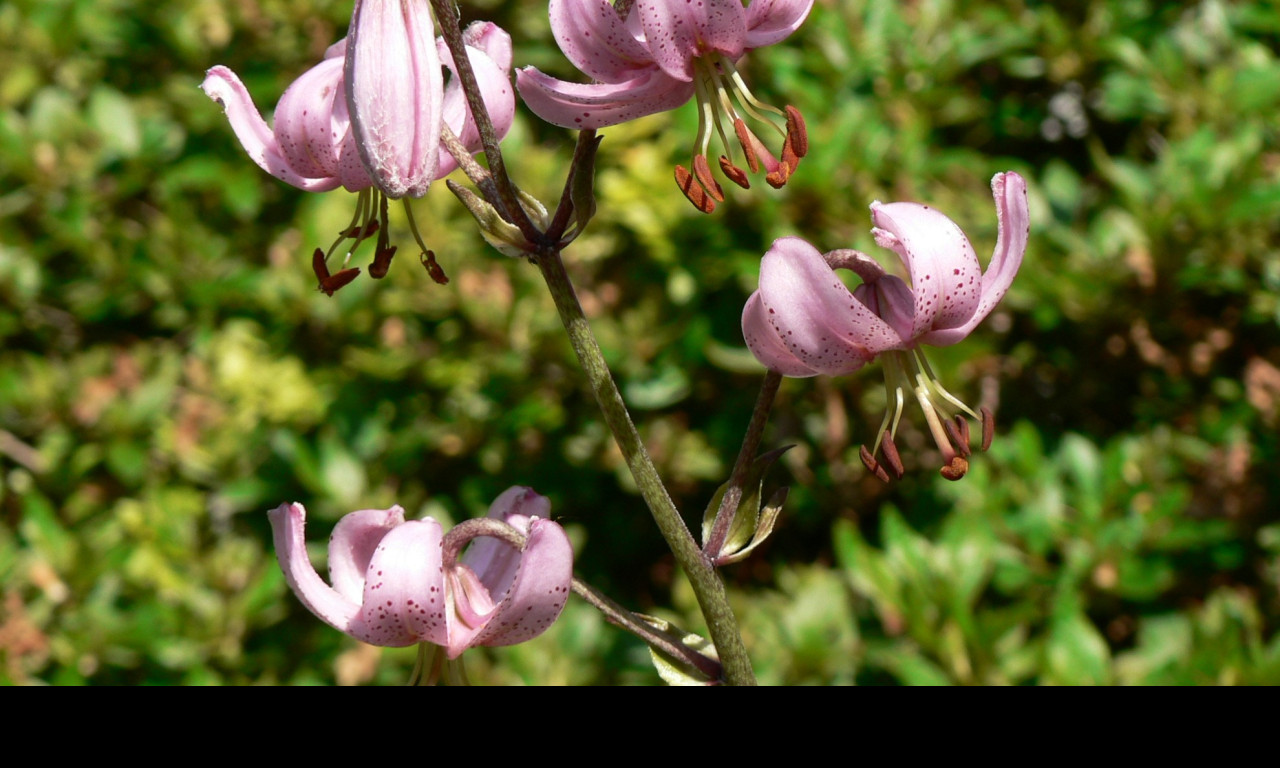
747, 454
707, 586
662, 641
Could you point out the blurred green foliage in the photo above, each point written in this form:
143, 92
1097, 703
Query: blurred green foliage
168, 370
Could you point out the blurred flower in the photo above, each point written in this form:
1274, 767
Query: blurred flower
397, 582
664, 53
803, 321
317, 144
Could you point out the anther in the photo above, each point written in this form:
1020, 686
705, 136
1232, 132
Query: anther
953, 434
962, 424
778, 179
735, 174
330, 283
957, 469
748, 146
693, 190
988, 427
797, 133
381, 262
433, 267
891, 456
703, 172
869, 462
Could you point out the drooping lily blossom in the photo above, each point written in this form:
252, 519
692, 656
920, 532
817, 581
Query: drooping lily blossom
398, 582
314, 145
662, 54
803, 321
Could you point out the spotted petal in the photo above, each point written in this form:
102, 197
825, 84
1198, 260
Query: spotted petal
352, 544
597, 41
404, 593
762, 339
1013, 226
678, 31
771, 21
288, 528
576, 105
945, 276
538, 591
223, 86
815, 316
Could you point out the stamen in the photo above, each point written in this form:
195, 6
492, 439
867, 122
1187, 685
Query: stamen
735, 174
433, 267
703, 172
381, 262
869, 462
384, 251
953, 433
891, 455
988, 427
956, 469
778, 178
748, 148
963, 425
797, 133
355, 230
330, 283
694, 191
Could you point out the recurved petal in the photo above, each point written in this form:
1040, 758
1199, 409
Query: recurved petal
764, 343
495, 89
495, 562
891, 299
352, 544
596, 40
223, 86
770, 21
394, 89
305, 127
492, 39
1014, 225
575, 105
404, 597
678, 31
945, 277
814, 314
288, 529
539, 590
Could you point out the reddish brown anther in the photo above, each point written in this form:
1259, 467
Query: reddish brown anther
778, 179
330, 283
797, 133
962, 425
381, 262
748, 144
433, 268
953, 434
734, 173
703, 172
891, 457
988, 427
869, 462
693, 190
956, 469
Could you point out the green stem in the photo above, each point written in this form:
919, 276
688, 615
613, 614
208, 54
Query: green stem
707, 586
746, 455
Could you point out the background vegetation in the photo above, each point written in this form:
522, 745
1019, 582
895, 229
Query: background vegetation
168, 370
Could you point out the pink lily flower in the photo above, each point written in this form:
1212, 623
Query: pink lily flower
803, 321
398, 582
663, 54
314, 145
